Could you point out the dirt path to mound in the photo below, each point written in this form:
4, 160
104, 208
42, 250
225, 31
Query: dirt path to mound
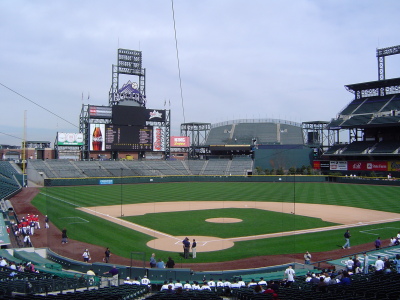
51, 238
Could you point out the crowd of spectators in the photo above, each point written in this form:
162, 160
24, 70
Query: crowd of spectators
17, 267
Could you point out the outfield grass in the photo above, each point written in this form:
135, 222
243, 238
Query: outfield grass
60, 203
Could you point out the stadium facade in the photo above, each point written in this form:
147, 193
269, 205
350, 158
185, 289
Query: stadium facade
372, 120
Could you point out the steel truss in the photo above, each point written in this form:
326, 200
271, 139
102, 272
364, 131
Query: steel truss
198, 133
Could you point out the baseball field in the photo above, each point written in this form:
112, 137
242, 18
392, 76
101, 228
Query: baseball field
229, 220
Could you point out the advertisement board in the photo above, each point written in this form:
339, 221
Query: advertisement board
155, 115
128, 137
338, 165
69, 139
158, 138
100, 112
394, 165
367, 166
180, 141
96, 138
321, 164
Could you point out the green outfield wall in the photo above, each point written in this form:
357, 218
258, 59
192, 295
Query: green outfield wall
194, 178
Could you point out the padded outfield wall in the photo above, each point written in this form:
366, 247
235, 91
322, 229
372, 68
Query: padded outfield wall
193, 178
233, 178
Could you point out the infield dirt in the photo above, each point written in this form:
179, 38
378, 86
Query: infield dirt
346, 216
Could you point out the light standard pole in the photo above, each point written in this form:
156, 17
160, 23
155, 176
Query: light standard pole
121, 192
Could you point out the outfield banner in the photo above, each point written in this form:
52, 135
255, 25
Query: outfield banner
321, 164
180, 141
338, 165
394, 165
69, 139
367, 166
106, 181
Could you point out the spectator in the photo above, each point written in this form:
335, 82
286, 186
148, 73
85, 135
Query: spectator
136, 281
164, 287
345, 278
290, 273
170, 263
365, 263
178, 284
145, 281
153, 262
127, 281
187, 286
396, 263
387, 265
160, 264
258, 289
350, 264
379, 266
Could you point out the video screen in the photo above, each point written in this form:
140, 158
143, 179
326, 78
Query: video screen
128, 115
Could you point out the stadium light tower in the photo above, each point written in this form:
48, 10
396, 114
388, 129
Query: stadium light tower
120, 181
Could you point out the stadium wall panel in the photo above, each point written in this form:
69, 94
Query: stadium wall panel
168, 179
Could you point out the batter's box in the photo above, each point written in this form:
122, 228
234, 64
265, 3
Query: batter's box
368, 231
76, 219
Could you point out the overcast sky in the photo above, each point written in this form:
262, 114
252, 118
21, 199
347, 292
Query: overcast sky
238, 59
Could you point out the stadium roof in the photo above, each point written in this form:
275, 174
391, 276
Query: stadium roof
372, 84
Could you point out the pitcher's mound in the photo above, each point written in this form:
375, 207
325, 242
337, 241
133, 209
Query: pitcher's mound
204, 243
224, 220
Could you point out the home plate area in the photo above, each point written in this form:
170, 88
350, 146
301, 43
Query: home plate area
204, 243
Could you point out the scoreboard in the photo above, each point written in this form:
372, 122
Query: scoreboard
128, 137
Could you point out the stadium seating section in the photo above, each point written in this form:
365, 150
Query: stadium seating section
84, 169
371, 286
364, 148
10, 179
265, 133
369, 111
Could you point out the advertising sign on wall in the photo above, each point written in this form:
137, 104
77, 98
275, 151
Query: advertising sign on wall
96, 140
367, 166
158, 138
180, 141
394, 166
100, 112
69, 139
156, 115
338, 165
